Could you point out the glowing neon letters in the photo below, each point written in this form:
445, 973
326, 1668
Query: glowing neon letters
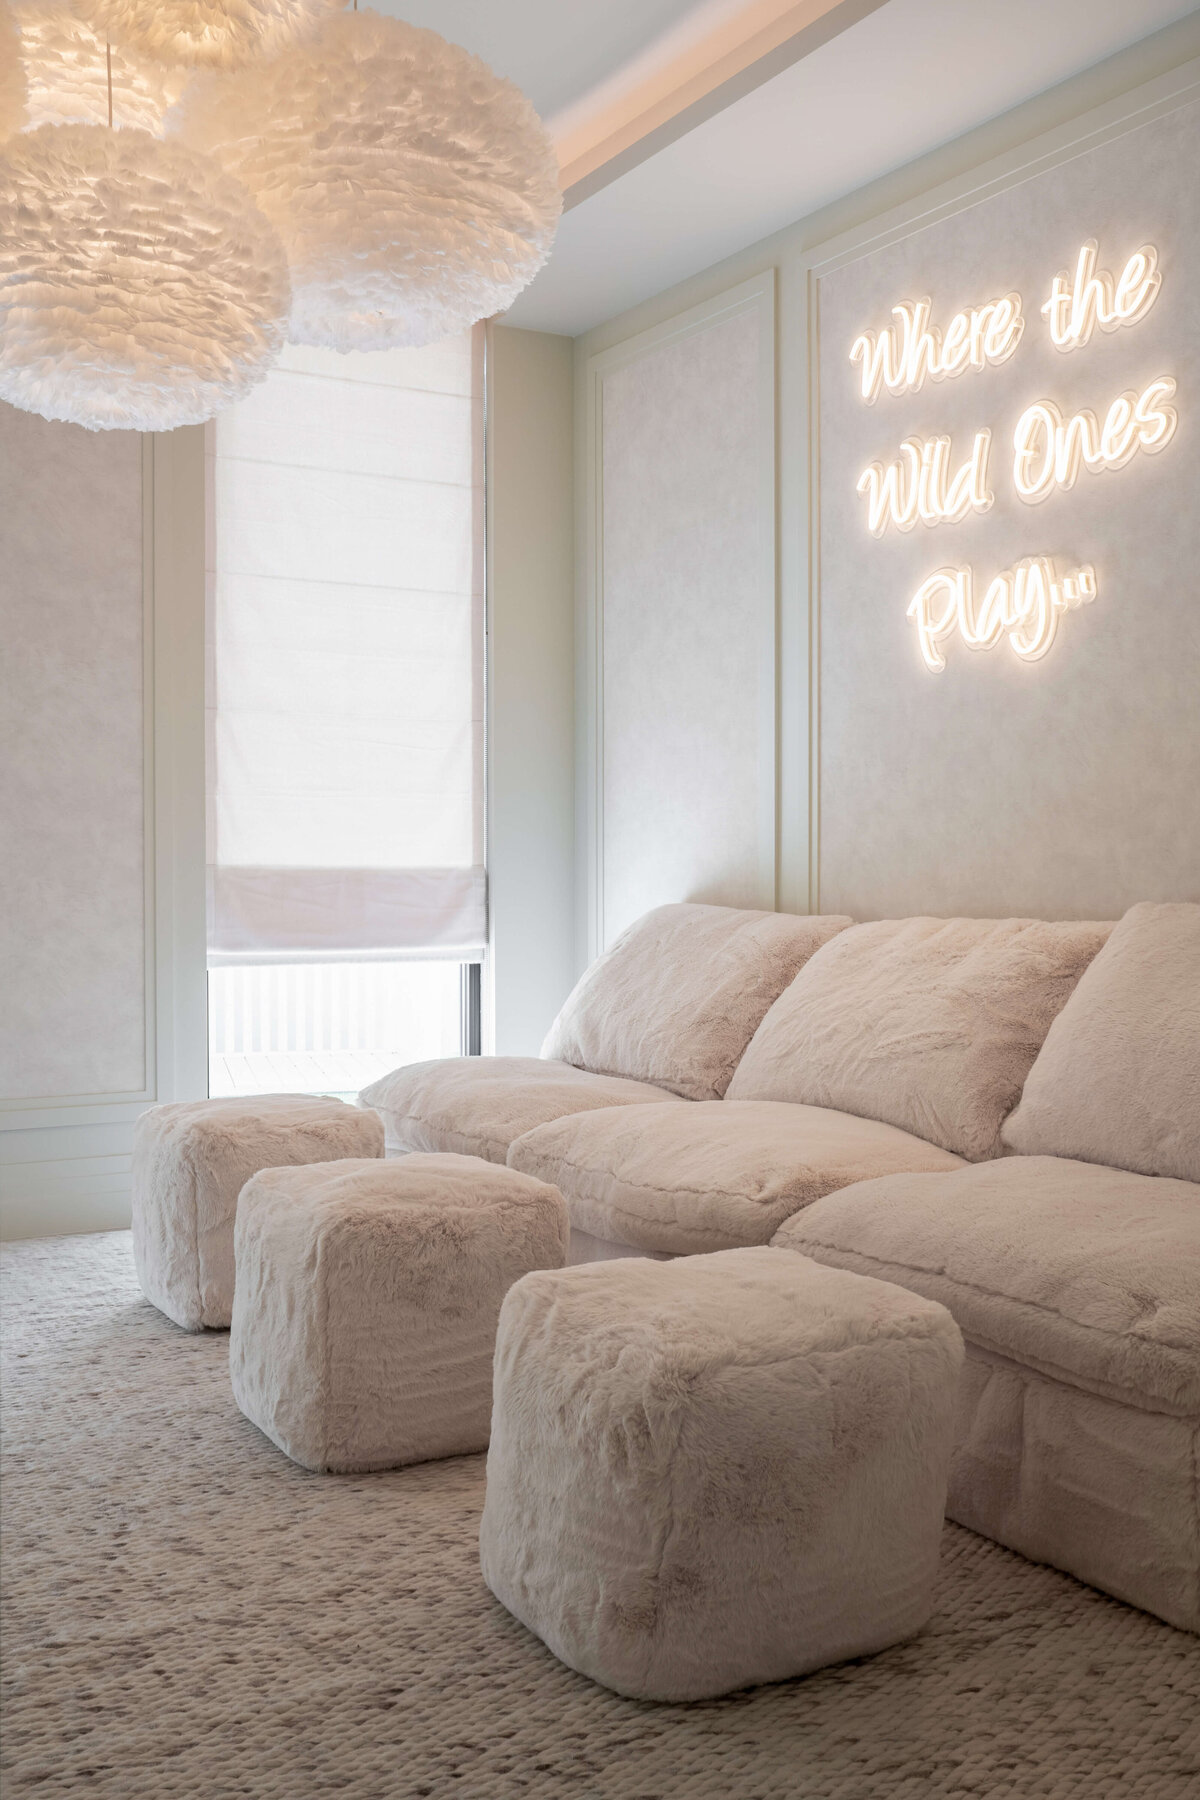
1049, 451
920, 486
903, 355
1050, 448
1094, 298
1026, 602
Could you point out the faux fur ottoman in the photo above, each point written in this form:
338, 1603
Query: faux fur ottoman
191, 1161
364, 1317
717, 1471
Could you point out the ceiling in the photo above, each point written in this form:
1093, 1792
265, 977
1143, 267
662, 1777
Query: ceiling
555, 50
885, 89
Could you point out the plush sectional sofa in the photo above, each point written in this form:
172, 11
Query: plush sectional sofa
1001, 1115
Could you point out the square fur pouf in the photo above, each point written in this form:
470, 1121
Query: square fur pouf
191, 1160
718, 1471
364, 1318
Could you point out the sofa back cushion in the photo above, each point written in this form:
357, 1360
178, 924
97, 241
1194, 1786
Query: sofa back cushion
677, 998
1118, 1079
928, 1024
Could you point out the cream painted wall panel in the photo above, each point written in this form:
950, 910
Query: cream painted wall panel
72, 804
685, 620
65, 1155
1068, 787
531, 964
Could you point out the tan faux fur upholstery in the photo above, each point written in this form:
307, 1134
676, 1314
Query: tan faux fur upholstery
1105, 1491
1118, 1077
191, 1160
477, 1105
716, 1175
1088, 1275
928, 1024
367, 1298
677, 998
717, 1471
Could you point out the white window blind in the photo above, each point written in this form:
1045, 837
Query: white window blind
346, 657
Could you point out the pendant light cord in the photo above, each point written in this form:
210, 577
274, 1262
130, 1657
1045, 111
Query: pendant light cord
108, 64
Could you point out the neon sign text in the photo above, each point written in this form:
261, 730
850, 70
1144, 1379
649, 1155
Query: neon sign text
920, 486
1025, 602
1050, 451
902, 356
1093, 297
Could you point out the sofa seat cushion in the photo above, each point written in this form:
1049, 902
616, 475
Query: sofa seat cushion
929, 1024
1086, 1274
716, 1175
678, 996
477, 1105
1118, 1077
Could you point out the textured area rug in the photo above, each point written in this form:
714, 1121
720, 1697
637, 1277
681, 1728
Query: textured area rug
190, 1617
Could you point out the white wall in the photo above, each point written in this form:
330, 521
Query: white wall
102, 909
530, 698
73, 880
1031, 831
680, 615
1055, 786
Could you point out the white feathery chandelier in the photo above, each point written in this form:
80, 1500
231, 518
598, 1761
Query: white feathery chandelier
12, 76
144, 281
415, 191
142, 288
73, 73
205, 34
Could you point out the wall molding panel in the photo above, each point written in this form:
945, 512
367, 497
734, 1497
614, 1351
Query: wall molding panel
1081, 832
530, 967
65, 1156
643, 649
1051, 132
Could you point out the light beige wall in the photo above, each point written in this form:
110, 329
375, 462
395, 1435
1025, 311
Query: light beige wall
102, 908
680, 611
1052, 130
1055, 787
530, 693
72, 802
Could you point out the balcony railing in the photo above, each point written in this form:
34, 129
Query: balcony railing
328, 1028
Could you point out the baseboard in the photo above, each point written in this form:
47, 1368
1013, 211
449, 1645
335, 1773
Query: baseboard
60, 1198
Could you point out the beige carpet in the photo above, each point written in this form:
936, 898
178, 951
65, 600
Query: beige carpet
189, 1617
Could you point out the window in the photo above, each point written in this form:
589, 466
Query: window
329, 1028
346, 882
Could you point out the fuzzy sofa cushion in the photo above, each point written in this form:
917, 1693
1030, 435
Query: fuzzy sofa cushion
712, 1176
364, 1318
678, 996
928, 1024
1088, 1275
716, 1471
477, 1105
190, 1162
1118, 1078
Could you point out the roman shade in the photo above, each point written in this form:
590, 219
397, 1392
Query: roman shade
346, 645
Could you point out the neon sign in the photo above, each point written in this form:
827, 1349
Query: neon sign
1096, 299
920, 486
1050, 449
901, 356
1026, 602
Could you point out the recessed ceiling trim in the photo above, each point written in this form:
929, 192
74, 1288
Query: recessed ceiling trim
699, 84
